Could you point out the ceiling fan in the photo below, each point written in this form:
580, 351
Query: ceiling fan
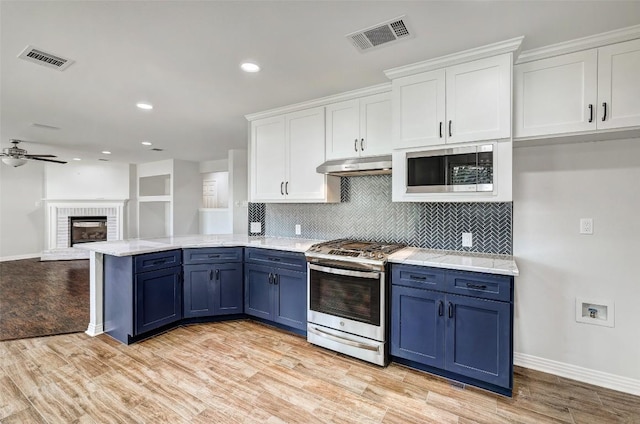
16, 156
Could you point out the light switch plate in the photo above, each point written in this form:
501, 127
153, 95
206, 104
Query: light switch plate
256, 227
467, 239
298, 229
586, 226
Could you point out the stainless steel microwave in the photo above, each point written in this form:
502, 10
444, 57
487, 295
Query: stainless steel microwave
456, 169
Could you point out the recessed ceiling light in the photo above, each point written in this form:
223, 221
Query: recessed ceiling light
250, 67
77, 159
145, 106
147, 143
106, 152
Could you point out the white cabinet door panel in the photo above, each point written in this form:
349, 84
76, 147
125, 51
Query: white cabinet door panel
305, 134
479, 100
267, 159
556, 95
619, 85
375, 125
418, 103
343, 132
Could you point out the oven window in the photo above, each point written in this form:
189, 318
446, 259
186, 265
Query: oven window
344, 296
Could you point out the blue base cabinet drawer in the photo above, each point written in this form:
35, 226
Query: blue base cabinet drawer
212, 255
281, 259
160, 260
457, 324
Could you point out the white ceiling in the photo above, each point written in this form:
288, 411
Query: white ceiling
183, 57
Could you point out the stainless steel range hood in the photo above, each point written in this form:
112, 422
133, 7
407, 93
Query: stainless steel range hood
375, 165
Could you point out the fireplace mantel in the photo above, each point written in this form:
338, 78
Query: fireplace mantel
58, 212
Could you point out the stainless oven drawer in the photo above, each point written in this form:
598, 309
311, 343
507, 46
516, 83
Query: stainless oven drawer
349, 344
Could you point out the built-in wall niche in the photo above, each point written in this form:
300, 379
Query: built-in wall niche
215, 190
157, 219
155, 185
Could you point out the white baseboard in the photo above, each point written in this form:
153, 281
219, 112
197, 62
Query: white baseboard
574, 372
19, 257
93, 329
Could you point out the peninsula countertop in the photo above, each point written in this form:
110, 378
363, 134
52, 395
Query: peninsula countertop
466, 261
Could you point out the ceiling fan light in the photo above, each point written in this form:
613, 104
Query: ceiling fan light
15, 162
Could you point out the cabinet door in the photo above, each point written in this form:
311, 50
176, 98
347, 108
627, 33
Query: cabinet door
342, 129
290, 305
556, 95
267, 162
418, 105
305, 136
479, 100
619, 85
228, 297
417, 325
375, 125
198, 291
478, 339
158, 299
258, 295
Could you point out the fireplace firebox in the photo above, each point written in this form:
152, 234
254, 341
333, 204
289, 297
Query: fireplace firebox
86, 229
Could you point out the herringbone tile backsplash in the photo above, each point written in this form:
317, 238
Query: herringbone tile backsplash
367, 213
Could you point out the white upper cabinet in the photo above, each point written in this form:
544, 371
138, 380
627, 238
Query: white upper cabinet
285, 151
556, 95
619, 85
596, 89
461, 103
419, 110
359, 127
479, 100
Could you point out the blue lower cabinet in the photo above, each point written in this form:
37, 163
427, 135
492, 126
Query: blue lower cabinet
158, 299
211, 290
276, 294
463, 337
418, 325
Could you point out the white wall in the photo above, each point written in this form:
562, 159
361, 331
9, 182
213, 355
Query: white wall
238, 175
220, 165
77, 180
21, 211
555, 186
187, 196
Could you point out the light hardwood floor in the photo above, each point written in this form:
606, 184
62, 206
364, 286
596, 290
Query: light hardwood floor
244, 372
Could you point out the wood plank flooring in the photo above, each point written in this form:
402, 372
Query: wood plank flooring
244, 372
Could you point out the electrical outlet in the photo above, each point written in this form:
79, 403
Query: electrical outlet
467, 239
586, 226
298, 229
256, 228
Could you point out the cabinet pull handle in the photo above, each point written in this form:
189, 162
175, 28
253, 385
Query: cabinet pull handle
286, 188
440, 129
590, 113
282, 188
418, 277
476, 286
274, 259
210, 274
450, 128
276, 278
604, 116
440, 308
355, 144
362, 144
450, 310
217, 274
270, 278
214, 256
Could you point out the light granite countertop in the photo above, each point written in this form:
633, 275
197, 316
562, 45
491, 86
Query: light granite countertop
465, 261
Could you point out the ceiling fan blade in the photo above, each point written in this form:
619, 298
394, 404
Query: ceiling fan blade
46, 160
40, 156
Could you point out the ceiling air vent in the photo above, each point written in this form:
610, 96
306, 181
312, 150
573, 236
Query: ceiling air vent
41, 57
381, 34
155, 149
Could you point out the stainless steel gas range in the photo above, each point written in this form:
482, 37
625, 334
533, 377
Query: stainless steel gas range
348, 297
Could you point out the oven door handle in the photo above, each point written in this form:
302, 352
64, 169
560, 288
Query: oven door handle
347, 272
342, 340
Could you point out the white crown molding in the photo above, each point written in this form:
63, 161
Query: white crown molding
584, 43
512, 45
19, 257
574, 372
323, 101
